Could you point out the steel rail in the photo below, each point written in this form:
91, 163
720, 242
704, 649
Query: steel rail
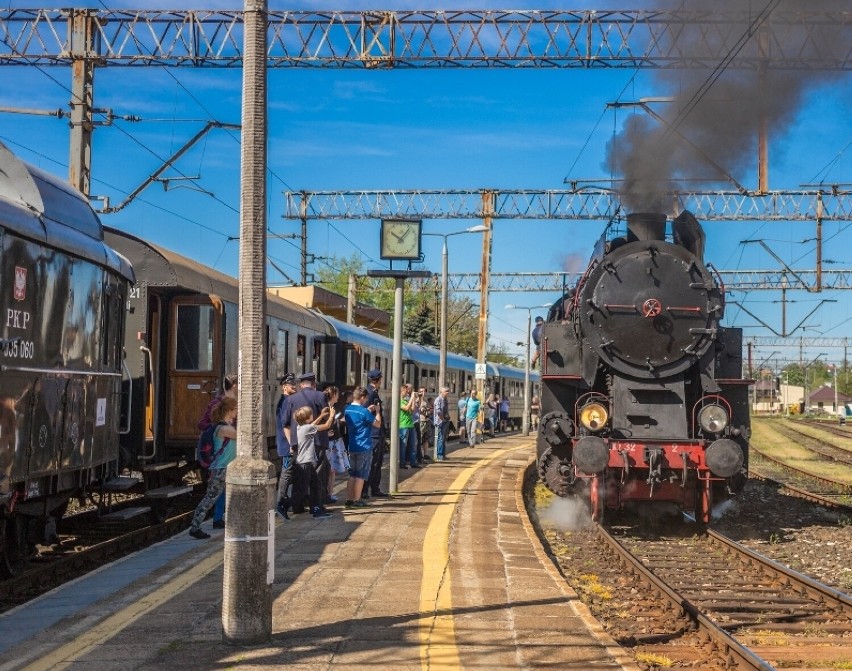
800, 493
815, 590
800, 473
735, 651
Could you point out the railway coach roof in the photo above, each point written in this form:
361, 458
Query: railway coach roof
42, 208
356, 334
160, 267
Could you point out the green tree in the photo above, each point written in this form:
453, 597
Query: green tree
419, 326
421, 295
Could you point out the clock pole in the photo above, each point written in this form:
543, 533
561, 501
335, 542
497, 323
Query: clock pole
396, 370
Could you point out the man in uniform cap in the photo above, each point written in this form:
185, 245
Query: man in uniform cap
374, 483
316, 401
288, 388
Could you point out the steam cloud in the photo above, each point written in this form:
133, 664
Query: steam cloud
724, 124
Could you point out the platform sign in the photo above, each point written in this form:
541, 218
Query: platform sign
481, 370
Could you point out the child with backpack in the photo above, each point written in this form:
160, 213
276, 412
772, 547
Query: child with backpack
224, 451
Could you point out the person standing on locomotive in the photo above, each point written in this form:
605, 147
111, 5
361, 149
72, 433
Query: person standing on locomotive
224, 452
536, 338
379, 433
285, 479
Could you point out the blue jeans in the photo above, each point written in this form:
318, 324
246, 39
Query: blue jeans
441, 439
407, 447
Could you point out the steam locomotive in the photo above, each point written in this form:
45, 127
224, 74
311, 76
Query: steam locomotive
643, 399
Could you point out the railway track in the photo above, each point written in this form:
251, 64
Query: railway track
753, 612
842, 431
790, 485
827, 450
825, 486
86, 544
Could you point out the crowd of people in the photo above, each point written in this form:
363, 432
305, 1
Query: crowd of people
323, 434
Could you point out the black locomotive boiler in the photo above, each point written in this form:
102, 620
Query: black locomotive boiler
643, 399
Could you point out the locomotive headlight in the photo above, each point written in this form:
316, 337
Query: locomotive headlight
594, 416
712, 418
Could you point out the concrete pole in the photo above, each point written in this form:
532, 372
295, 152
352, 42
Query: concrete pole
250, 480
351, 298
396, 383
442, 360
526, 420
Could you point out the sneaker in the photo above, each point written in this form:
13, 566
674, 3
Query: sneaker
405, 466
320, 512
199, 534
218, 524
360, 503
349, 503
331, 498
379, 495
281, 509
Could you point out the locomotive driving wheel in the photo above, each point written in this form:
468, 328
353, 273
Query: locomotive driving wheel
14, 549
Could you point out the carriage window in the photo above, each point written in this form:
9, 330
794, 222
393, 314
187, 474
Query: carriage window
281, 353
194, 337
300, 353
351, 364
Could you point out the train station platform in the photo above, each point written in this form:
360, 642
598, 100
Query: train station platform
446, 574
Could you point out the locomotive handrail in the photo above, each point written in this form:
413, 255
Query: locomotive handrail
63, 372
150, 358
123, 431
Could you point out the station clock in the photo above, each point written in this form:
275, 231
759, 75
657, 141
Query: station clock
401, 239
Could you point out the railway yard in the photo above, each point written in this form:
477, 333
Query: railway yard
775, 516
794, 612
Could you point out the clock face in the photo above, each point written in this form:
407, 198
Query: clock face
400, 239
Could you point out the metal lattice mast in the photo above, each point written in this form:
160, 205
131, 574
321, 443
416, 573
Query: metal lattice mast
440, 38
580, 204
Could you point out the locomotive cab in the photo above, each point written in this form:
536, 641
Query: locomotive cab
642, 394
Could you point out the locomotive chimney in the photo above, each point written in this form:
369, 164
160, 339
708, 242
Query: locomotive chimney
646, 226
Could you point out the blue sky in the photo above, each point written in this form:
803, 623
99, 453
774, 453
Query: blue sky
461, 129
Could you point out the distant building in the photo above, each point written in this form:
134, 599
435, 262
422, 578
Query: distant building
334, 305
822, 401
771, 397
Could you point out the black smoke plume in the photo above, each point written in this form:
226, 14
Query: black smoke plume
706, 138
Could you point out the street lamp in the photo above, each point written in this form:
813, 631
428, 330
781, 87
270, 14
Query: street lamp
442, 361
525, 421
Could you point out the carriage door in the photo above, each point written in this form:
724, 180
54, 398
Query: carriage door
195, 362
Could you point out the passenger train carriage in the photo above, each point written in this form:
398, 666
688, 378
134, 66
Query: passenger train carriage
62, 296
181, 340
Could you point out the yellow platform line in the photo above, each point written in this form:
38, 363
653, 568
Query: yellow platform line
438, 649
66, 655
